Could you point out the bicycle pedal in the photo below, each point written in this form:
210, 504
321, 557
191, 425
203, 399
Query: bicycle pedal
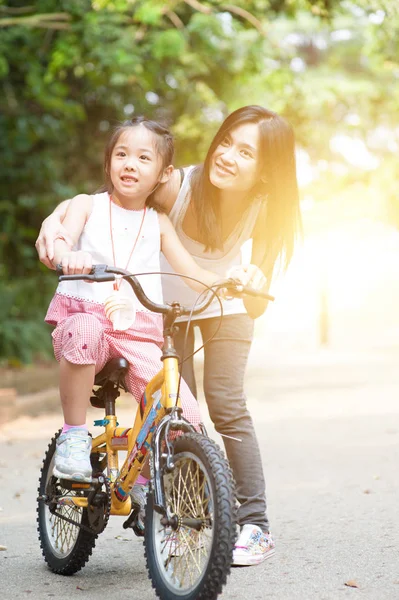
80, 486
70, 485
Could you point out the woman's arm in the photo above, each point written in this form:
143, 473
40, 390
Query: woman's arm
73, 262
167, 193
255, 307
180, 259
61, 209
51, 229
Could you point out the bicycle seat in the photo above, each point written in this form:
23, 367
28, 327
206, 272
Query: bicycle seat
115, 371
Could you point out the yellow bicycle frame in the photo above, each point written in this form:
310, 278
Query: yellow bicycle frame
160, 395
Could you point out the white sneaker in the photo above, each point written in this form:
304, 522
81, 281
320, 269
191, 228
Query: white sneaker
252, 547
72, 456
138, 495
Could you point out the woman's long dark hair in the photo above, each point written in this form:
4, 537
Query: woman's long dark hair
276, 185
164, 146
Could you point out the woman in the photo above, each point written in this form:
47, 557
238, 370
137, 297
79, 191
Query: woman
245, 189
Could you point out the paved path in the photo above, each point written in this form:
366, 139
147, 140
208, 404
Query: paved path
329, 433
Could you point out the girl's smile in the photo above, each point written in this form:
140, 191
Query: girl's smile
129, 179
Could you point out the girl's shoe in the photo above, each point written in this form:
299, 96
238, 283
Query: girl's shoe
72, 456
138, 495
252, 547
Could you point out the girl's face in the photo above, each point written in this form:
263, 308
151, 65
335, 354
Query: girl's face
235, 162
136, 167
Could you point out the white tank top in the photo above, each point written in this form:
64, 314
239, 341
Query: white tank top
96, 239
218, 261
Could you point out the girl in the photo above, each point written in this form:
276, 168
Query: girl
115, 227
246, 189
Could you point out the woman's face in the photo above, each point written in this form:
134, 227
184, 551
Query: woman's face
235, 162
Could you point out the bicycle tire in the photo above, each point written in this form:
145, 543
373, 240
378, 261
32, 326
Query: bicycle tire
201, 487
65, 547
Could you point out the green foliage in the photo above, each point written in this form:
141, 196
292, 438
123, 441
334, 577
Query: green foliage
23, 335
70, 69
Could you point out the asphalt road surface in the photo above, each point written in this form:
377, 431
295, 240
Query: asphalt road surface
329, 434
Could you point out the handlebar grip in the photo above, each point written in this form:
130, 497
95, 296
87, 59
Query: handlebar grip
247, 290
98, 273
251, 292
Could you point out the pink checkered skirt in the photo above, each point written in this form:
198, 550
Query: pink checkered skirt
84, 336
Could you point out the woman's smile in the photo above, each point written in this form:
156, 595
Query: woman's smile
223, 170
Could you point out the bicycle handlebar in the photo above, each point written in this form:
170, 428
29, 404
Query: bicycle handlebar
106, 273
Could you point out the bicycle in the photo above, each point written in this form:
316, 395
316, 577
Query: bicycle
190, 525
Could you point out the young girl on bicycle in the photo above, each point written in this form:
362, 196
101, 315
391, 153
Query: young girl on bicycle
120, 227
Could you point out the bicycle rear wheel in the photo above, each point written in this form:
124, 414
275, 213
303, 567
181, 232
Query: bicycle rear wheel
190, 557
66, 547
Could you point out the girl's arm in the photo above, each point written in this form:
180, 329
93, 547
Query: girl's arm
77, 213
180, 259
53, 226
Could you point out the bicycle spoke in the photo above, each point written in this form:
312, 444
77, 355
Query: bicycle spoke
186, 549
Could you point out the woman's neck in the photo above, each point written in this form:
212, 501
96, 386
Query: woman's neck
232, 202
127, 202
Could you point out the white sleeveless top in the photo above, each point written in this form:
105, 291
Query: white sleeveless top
218, 261
96, 239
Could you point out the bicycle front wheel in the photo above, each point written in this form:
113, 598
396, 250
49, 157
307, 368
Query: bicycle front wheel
189, 553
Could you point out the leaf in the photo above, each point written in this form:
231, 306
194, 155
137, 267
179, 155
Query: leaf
168, 44
149, 13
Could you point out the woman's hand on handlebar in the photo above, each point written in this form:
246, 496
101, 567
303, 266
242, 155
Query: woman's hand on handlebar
249, 276
51, 230
76, 263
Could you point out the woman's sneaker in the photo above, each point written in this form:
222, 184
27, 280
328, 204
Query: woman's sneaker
252, 547
72, 456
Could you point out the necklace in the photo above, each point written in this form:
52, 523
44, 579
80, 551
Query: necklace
119, 308
117, 283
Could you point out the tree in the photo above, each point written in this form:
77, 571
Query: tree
70, 69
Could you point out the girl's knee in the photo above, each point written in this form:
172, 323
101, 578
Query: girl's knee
80, 339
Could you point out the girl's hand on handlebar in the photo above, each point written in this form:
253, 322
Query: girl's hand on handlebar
77, 263
51, 230
248, 275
